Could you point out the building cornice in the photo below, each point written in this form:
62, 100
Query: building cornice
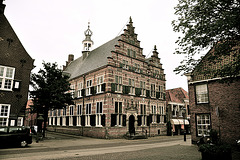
209, 80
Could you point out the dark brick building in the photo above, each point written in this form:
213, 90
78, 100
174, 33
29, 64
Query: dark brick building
116, 90
15, 68
214, 105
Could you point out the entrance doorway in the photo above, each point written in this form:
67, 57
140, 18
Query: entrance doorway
131, 124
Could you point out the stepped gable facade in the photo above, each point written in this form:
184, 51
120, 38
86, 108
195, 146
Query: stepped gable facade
116, 90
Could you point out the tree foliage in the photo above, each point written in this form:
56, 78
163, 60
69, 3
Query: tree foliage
208, 24
50, 88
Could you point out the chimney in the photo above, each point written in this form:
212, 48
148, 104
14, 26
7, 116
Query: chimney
70, 59
2, 7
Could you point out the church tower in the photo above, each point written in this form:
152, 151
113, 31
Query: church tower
87, 42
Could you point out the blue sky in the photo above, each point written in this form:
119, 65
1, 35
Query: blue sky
51, 29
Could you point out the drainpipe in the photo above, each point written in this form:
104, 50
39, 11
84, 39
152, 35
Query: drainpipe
84, 80
149, 117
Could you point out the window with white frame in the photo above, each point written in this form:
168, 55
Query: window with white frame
79, 114
4, 114
143, 88
49, 120
71, 113
88, 114
143, 114
6, 77
203, 124
20, 121
131, 53
118, 80
162, 113
99, 84
174, 110
161, 91
154, 114
132, 86
54, 113
54, 117
125, 64
64, 116
202, 93
58, 116
153, 90
99, 112
181, 108
118, 112
157, 73
88, 88
50, 117
72, 91
137, 67
79, 91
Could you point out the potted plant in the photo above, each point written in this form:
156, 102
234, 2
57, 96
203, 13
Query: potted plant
213, 149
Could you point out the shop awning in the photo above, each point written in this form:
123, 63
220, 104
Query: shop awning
174, 121
179, 121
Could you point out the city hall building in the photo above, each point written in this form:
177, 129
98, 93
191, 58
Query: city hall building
117, 91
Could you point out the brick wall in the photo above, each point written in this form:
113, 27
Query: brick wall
226, 97
14, 55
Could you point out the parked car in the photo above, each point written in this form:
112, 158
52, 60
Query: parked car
16, 135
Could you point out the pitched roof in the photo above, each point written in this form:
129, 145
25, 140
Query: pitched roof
176, 95
96, 58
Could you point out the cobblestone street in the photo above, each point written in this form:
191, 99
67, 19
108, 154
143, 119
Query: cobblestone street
62, 146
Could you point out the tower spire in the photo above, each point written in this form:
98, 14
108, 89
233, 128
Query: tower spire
87, 42
155, 52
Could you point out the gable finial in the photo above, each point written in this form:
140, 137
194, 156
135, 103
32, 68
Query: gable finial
130, 20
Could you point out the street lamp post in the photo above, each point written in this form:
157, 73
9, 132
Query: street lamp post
184, 130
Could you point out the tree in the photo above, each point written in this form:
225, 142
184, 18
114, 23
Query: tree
208, 24
50, 88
